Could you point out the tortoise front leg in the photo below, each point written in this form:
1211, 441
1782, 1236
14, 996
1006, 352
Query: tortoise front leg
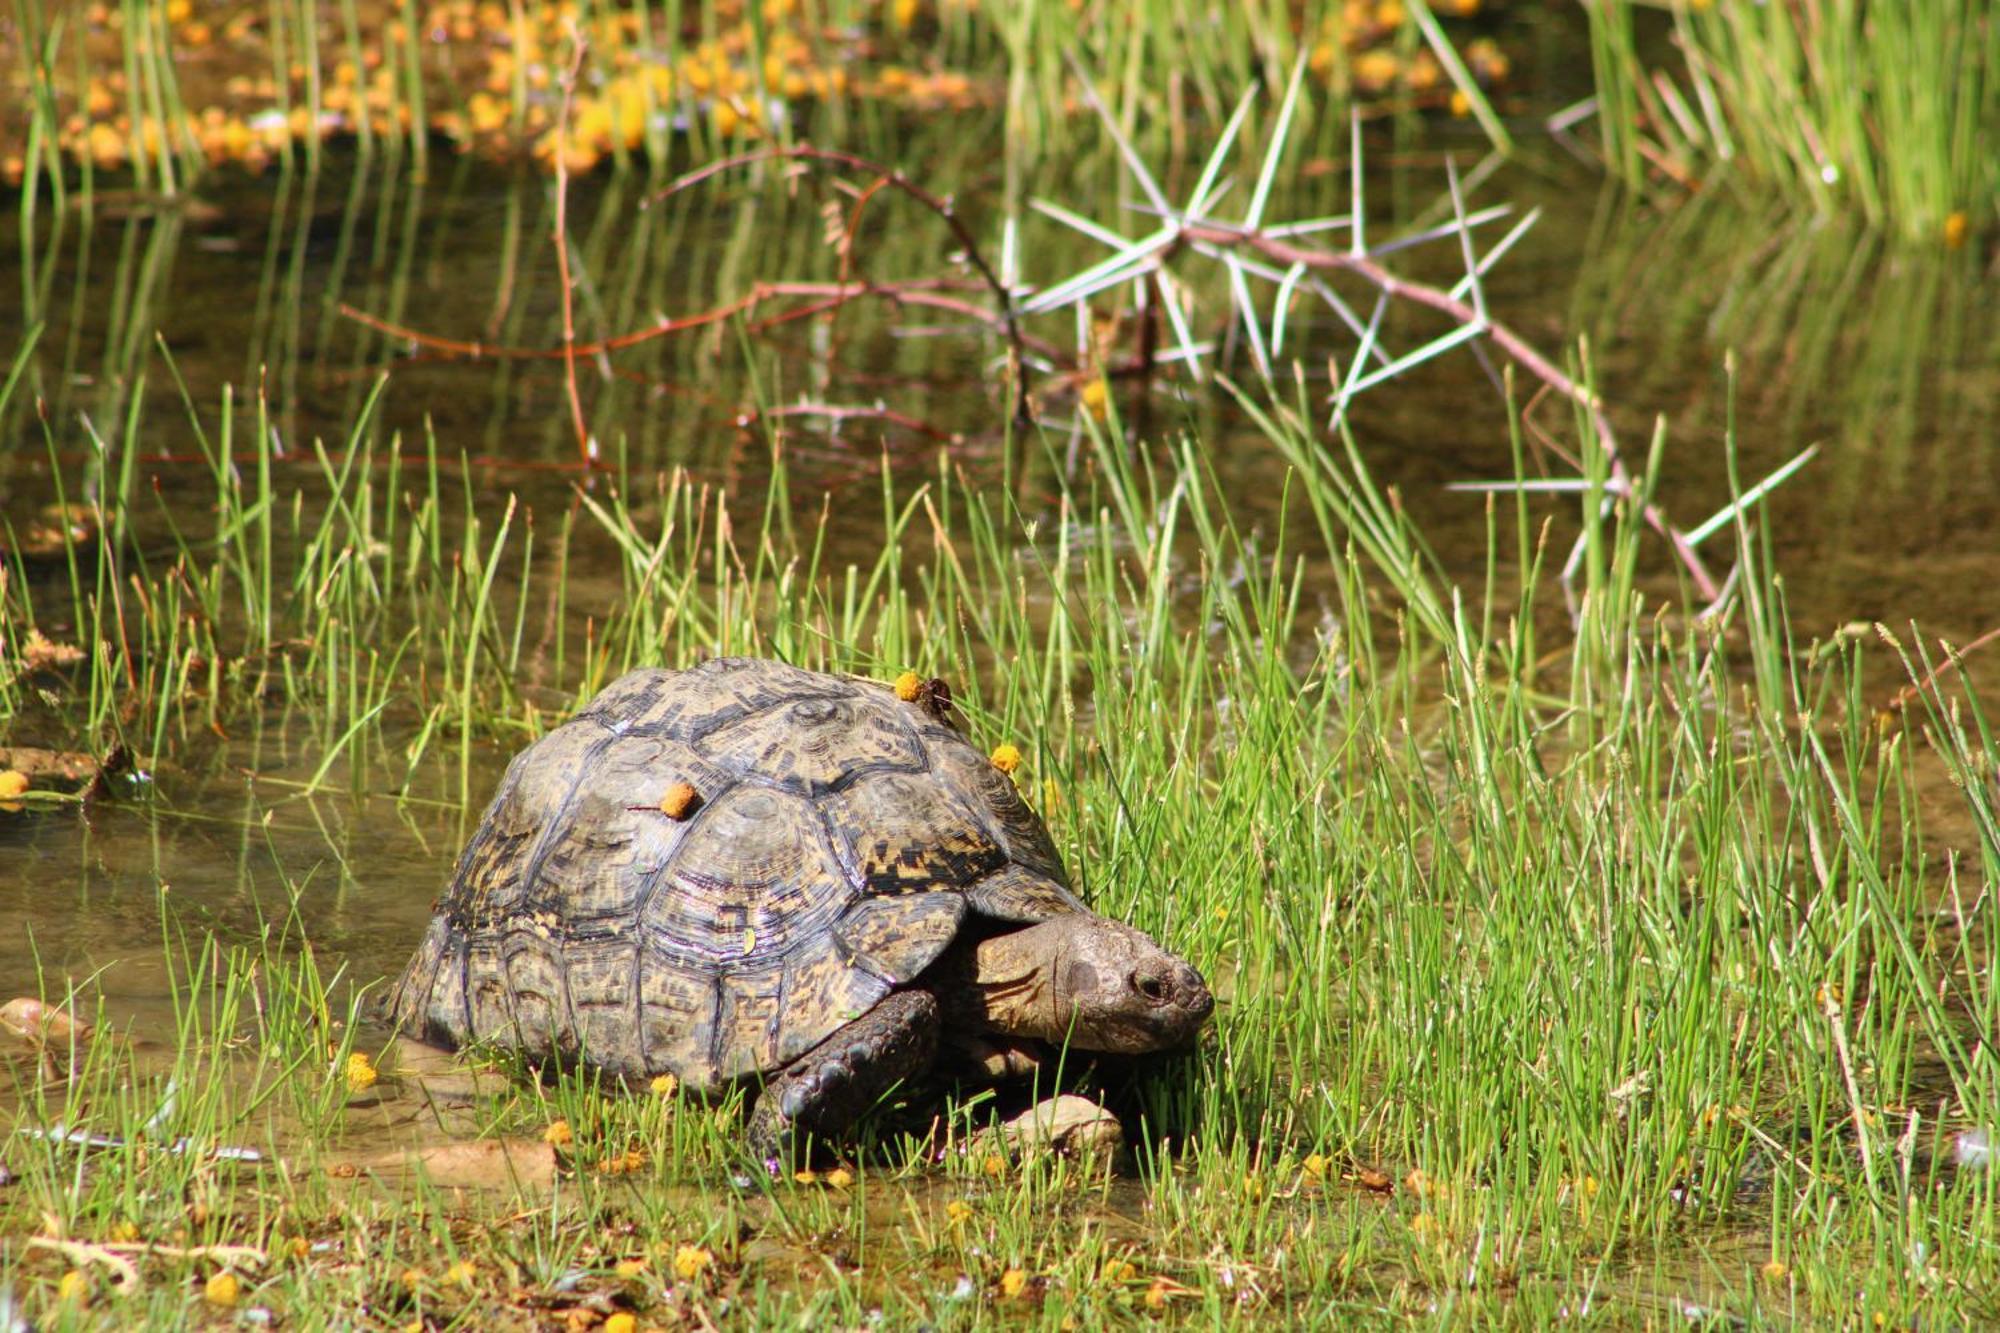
825, 1090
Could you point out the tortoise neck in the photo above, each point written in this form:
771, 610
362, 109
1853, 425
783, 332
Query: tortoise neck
1005, 983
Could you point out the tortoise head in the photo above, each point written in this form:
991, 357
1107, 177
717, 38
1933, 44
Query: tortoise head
1100, 985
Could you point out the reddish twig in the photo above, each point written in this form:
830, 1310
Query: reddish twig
1953, 663
895, 180
926, 292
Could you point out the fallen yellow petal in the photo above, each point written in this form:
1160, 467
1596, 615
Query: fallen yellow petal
12, 784
222, 1289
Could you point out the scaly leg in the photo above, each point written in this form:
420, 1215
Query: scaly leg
825, 1090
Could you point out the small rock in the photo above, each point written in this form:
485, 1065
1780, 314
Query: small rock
41, 1024
1068, 1124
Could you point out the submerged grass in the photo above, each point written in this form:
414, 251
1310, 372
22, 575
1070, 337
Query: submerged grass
1622, 948
1890, 112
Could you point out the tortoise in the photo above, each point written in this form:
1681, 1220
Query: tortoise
750, 873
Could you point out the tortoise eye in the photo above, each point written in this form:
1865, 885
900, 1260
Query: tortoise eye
1151, 985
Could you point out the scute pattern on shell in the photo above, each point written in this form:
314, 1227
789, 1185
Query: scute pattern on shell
840, 838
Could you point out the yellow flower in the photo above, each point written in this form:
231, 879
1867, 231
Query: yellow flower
222, 1289
12, 784
1119, 1270
1314, 1167
73, 1288
1006, 757
691, 1261
995, 1165
1956, 225
559, 1133
958, 1210
1156, 1295
126, 1231
412, 1278
1775, 1271
1012, 1283
907, 686
622, 1322
462, 1272
1096, 398
1375, 70
665, 1085
840, 1177
805, 1177
631, 1267
361, 1072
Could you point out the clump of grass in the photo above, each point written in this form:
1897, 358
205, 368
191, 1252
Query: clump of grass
1889, 112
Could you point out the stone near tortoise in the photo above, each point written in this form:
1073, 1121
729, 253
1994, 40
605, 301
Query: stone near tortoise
749, 872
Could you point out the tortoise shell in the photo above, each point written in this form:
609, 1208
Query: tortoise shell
834, 841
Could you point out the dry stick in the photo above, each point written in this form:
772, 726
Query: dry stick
486, 351
835, 412
1954, 662
919, 292
1512, 343
896, 180
124, 1276
846, 273
585, 448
